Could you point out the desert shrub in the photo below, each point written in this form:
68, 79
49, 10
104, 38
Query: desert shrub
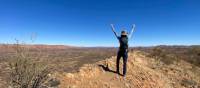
170, 59
195, 49
160, 55
157, 52
25, 70
189, 83
194, 53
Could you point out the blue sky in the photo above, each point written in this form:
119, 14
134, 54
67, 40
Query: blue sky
87, 22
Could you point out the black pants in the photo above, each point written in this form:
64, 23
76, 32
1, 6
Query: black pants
123, 54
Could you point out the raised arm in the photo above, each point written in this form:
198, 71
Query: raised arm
132, 30
113, 29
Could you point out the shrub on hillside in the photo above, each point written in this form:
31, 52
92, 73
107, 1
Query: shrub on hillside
160, 55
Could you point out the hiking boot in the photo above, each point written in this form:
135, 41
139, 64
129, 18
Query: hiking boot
117, 76
124, 77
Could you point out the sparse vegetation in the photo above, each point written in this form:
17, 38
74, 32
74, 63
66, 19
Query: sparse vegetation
26, 71
172, 54
56, 58
162, 56
69, 59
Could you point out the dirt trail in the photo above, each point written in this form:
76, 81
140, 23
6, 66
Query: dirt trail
102, 75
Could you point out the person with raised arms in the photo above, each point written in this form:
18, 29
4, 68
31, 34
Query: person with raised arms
123, 48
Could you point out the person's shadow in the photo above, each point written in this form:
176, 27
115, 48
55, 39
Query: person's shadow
106, 68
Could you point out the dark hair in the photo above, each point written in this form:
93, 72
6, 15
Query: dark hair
123, 31
123, 35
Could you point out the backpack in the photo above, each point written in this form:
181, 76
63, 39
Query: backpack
123, 43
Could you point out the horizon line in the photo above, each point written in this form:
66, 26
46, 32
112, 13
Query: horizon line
70, 45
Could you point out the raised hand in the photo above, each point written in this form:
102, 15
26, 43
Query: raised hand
113, 29
133, 28
112, 26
